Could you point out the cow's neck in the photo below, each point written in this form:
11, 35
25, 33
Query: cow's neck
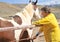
25, 21
27, 15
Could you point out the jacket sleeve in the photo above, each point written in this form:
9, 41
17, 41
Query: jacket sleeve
45, 21
41, 21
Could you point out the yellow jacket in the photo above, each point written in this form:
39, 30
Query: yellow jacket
50, 28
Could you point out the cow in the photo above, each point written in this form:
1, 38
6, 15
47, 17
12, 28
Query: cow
21, 18
26, 17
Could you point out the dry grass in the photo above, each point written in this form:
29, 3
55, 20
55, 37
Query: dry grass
11, 9
8, 9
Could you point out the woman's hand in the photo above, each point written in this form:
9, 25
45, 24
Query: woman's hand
34, 37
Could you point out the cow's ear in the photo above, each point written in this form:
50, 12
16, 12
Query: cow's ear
29, 1
36, 2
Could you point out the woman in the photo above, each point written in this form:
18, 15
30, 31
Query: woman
49, 25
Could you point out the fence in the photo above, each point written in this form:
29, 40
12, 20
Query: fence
16, 28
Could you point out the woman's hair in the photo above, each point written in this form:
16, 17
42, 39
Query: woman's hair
46, 9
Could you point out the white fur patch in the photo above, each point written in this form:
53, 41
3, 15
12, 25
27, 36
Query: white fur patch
37, 13
3, 19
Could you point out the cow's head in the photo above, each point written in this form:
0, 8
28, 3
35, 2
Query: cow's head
34, 4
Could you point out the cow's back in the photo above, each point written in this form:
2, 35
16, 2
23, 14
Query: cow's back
6, 35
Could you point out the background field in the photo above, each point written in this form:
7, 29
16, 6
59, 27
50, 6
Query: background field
7, 9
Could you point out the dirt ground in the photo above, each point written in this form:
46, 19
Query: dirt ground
40, 38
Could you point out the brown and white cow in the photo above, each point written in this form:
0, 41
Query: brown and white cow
21, 18
26, 17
